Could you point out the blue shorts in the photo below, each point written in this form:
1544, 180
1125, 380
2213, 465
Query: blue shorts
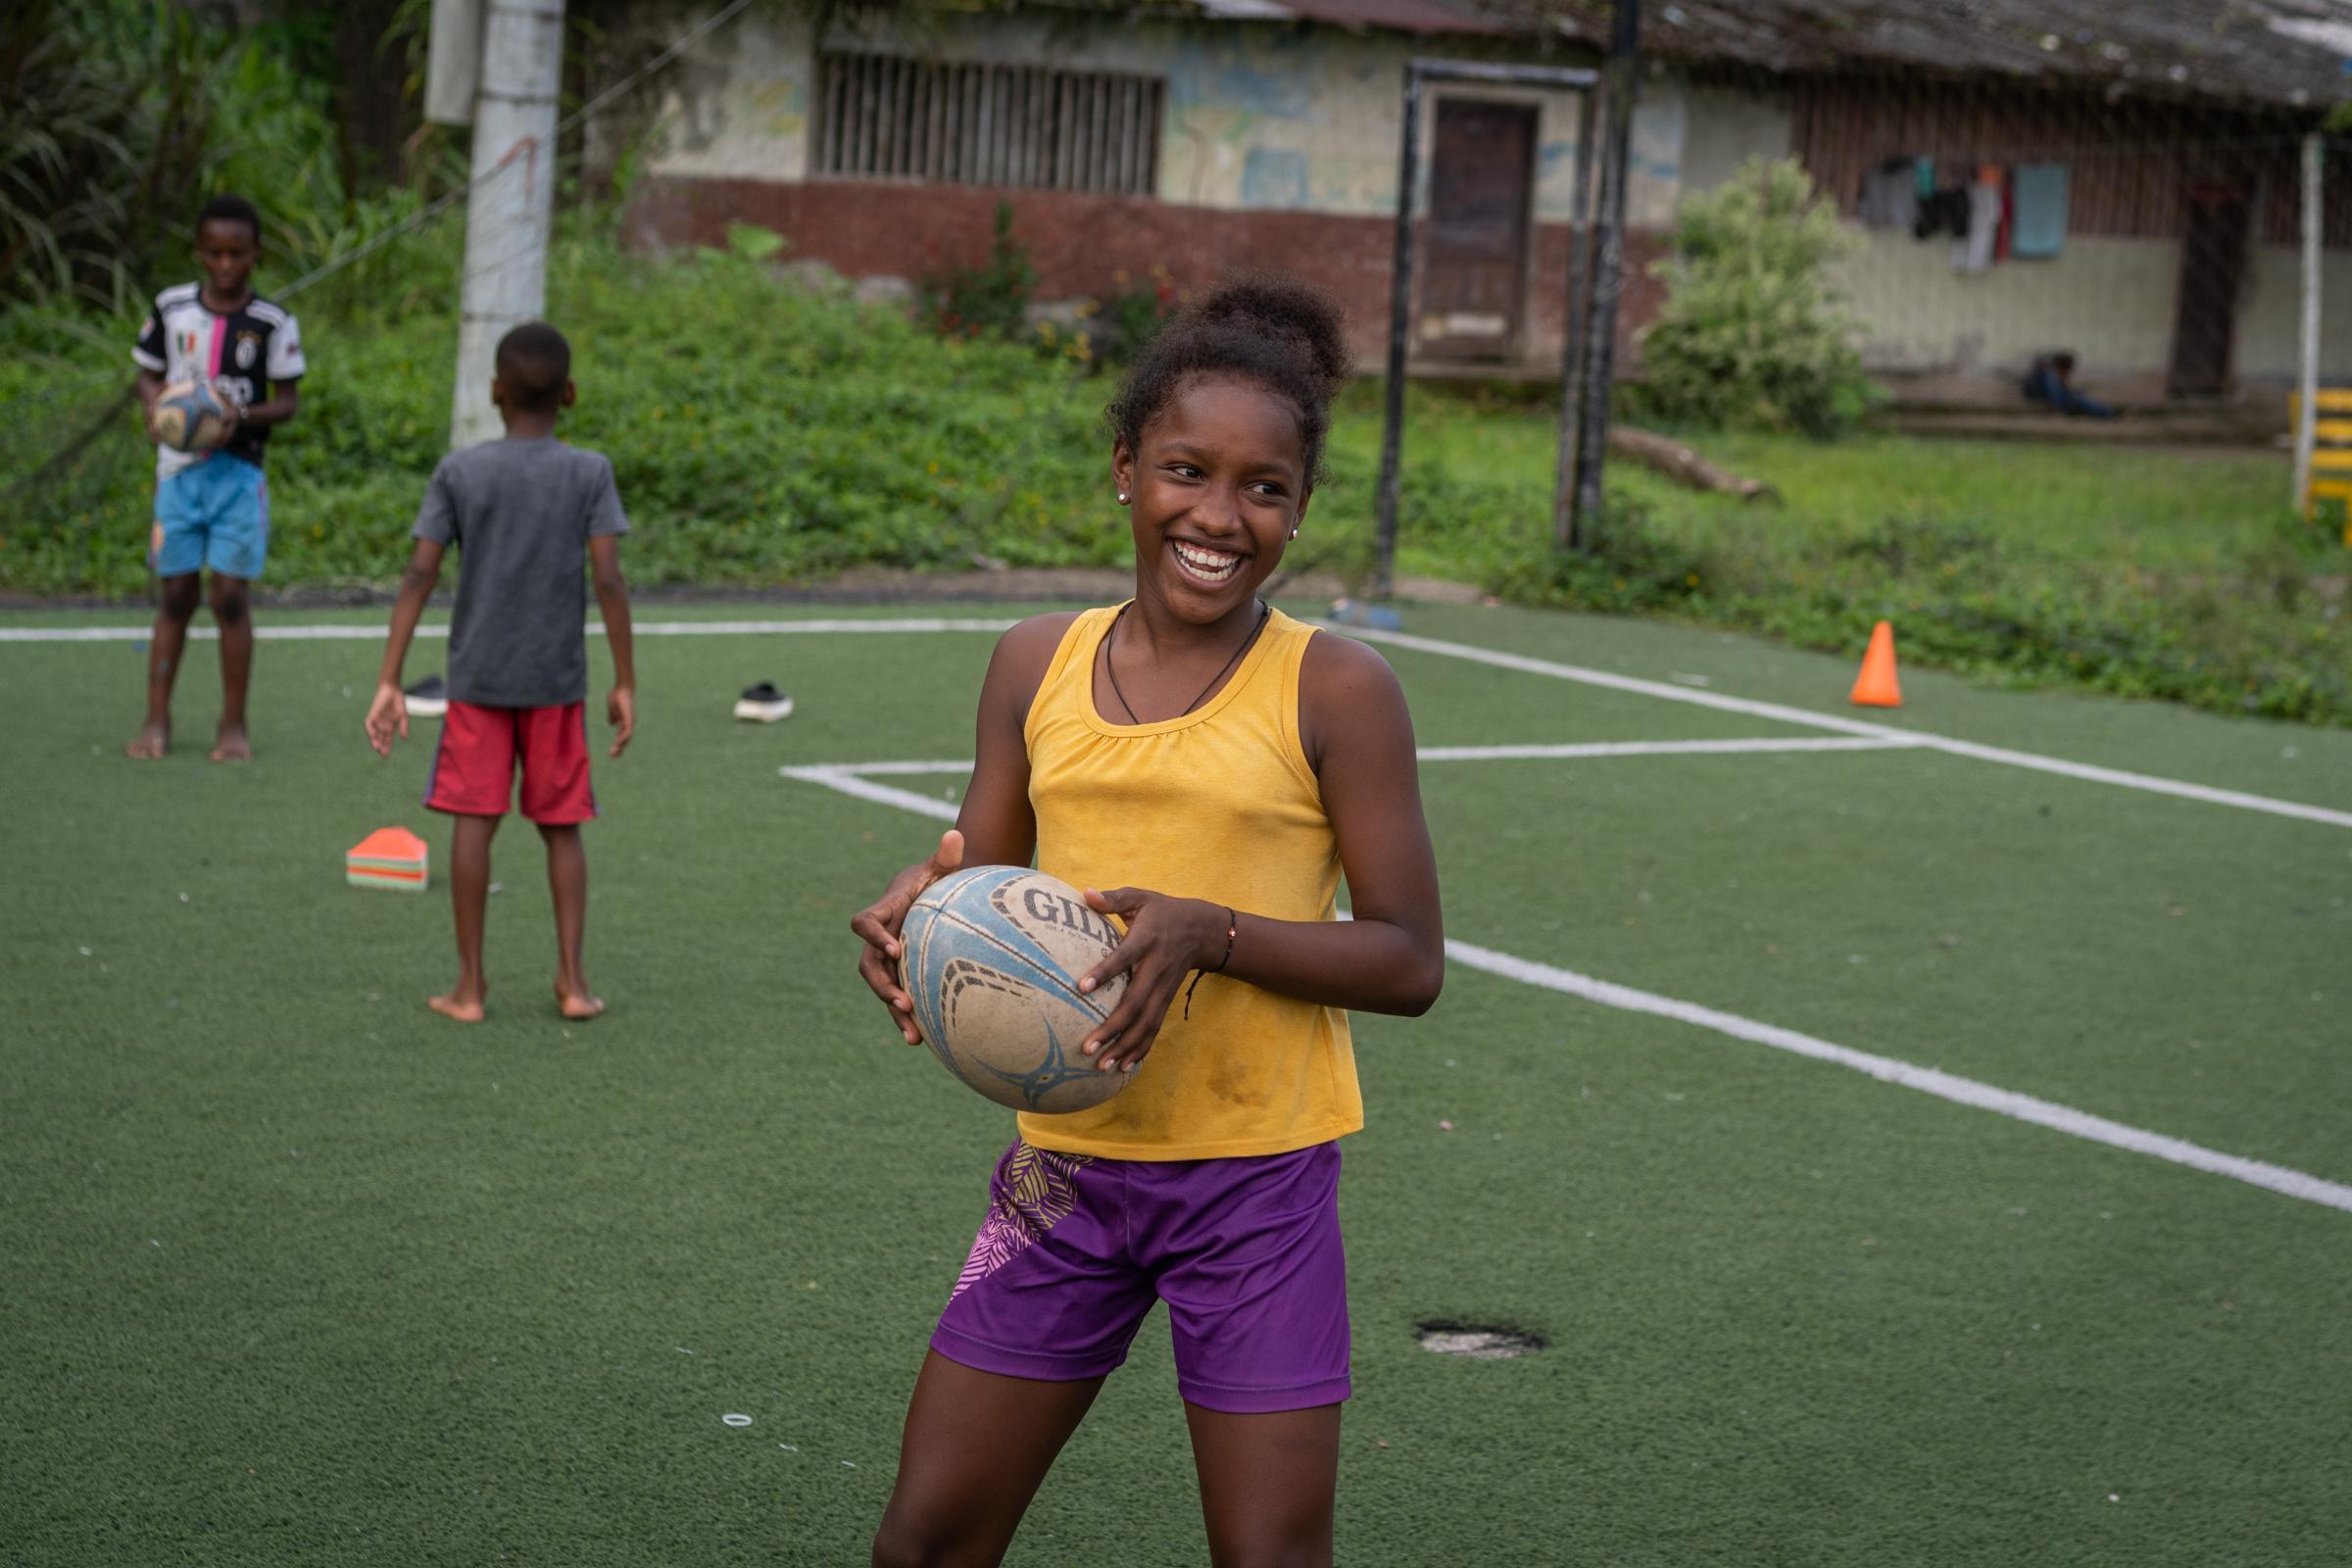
215, 515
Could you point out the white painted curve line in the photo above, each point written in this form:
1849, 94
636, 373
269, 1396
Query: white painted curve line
767, 628
1927, 1080
1506, 754
1628, 683
1463, 753
1605, 992
849, 783
2137, 781
205, 634
344, 633
2148, 783
963, 766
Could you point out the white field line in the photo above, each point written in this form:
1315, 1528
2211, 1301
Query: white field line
1608, 994
375, 633
803, 771
1855, 726
847, 782
2148, 783
1588, 749
1451, 754
1927, 1080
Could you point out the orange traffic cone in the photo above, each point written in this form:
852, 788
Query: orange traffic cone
1876, 687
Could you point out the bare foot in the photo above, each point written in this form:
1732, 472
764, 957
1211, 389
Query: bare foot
456, 1005
230, 744
578, 1005
154, 741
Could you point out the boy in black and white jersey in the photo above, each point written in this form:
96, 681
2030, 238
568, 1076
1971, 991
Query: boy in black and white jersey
212, 508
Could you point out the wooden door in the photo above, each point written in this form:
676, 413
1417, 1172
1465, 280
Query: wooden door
2213, 269
1474, 257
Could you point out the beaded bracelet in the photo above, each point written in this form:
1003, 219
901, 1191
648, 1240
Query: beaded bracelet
1233, 925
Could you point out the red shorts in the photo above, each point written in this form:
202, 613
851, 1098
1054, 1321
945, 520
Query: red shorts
474, 766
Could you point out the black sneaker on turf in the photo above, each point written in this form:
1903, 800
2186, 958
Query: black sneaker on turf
427, 699
764, 703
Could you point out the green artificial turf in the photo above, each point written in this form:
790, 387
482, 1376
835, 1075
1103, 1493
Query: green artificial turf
299, 1273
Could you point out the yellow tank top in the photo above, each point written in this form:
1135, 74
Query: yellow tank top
1219, 804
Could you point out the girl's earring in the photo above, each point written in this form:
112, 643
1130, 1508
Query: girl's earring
1123, 502
1293, 533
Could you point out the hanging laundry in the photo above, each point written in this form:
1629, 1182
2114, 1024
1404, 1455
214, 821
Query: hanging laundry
1889, 195
1943, 212
2040, 197
1973, 251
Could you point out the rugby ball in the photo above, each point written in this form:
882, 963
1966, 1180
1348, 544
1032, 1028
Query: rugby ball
189, 417
990, 957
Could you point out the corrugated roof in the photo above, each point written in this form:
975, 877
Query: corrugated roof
2287, 52
1397, 15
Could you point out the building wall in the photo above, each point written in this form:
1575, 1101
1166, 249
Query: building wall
2108, 300
1724, 129
2115, 293
1279, 150
2113, 302
1081, 246
1260, 116
2270, 321
737, 106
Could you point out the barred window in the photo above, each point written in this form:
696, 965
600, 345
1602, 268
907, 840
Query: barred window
888, 116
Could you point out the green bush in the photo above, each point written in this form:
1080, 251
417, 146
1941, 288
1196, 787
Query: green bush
992, 298
786, 436
1752, 335
1131, 317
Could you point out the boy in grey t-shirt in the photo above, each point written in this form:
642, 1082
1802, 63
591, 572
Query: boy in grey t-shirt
521, 512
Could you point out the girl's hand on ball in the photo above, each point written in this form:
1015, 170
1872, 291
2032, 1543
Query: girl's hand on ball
879, 922
1166, 940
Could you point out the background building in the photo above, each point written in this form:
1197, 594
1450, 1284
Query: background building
2142, 160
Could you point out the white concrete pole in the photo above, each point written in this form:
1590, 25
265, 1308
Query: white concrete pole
2307, 408
508, 213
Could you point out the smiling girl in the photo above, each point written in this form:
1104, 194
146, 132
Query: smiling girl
1207, 768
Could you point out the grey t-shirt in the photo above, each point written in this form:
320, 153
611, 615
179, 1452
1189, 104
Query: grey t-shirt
521, 514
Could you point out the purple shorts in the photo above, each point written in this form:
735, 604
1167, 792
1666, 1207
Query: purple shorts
1245, 1251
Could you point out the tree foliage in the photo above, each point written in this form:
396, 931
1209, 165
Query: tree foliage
117, 118
104, 113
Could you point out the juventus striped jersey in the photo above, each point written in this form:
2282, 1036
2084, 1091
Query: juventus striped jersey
249, 349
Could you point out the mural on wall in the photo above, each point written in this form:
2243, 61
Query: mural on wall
1653, 184
1262, 117
737, 105
1274, 177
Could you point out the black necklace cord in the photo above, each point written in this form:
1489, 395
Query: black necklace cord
1265, 613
